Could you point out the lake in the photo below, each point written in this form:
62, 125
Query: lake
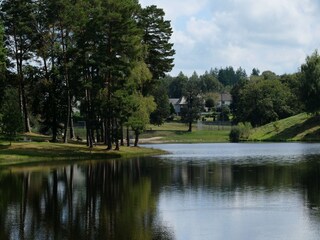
197, 191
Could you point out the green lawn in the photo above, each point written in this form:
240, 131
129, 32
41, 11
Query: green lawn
177, 132
302, 127
33, 152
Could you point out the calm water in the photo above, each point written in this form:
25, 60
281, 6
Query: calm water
199, 191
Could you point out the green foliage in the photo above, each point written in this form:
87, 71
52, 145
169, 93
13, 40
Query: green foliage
310, 83
162, 110
234, 135
225, 113
240, 132
3, 82
209, 82
209, 103
176, 85
194, 103
255, 72
11, 119
156, 37
301, 127
141, 115
229, 77
261, 100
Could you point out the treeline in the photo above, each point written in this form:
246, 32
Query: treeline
104, 56
258, 99
215, 80
261, 99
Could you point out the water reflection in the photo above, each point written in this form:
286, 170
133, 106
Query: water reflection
165, 198
111, 200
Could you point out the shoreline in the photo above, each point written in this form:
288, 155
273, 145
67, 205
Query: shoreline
27, 153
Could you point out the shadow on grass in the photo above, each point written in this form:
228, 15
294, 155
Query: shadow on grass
314, 136
56, 152
295, 130
163, 133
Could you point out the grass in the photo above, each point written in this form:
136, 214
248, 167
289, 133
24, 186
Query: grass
41, 152
174, 132
302, 127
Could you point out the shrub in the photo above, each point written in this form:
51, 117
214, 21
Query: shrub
240, 132
234, 134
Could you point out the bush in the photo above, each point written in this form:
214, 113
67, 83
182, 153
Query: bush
234, 134
240, 132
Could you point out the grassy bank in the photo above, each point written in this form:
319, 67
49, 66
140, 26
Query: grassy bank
177, 133
40, 152
302, 127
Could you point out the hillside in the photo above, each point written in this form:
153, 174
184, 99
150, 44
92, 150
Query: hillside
302, 127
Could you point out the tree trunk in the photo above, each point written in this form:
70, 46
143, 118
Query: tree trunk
98, 133
66, 125
121, 136
105, 132
72, 135
136, 140
102, 138
89, 135
27, 126
128, 137
108, 134
23, 100
190, 126
116, 135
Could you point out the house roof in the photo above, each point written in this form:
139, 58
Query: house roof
182, 101
226, 97
174, 101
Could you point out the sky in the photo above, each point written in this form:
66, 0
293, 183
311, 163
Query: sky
275, 35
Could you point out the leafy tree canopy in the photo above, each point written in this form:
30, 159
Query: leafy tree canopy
310, 83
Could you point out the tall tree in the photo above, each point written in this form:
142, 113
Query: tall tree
310, 83
141, 115
120, 47
261, 101
177, 85
19, 23
3, 67
156, 37
209, 83
11, 118
162, 111
194, 103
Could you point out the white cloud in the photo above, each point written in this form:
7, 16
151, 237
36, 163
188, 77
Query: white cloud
271, 35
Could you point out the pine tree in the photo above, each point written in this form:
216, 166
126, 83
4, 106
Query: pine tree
156, 37
19, 22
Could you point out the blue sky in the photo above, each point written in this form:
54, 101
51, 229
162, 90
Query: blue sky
274, 35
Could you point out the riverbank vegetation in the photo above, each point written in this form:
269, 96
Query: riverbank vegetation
301, 127
175, 132
97, 61
95, 73
45, 152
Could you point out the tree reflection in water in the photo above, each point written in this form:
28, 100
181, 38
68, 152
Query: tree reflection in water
110, 200
119, 199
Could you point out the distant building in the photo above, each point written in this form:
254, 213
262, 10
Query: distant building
225, 99
178, 104
174, 102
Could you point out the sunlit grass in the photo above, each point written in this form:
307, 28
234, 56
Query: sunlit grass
177, 132
32, 152
302, 127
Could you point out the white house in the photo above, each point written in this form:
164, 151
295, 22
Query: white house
224, 99
178, 104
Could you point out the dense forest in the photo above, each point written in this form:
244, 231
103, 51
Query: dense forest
106, 63
103, 57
